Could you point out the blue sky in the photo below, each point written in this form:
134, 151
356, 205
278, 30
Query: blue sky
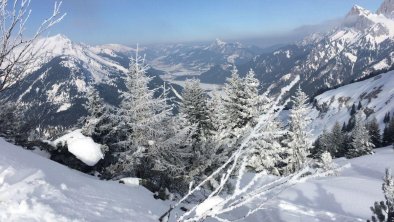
156, 21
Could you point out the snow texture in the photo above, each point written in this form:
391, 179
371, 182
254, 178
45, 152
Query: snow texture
35, 189
84, 148
376, 93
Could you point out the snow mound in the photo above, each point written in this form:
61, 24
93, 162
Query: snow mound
35, 189
130, 181
84, 148
208, 204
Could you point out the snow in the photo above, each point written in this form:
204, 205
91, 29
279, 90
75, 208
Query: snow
33, 188
84, 148
64, 107
345, 197
377, 93
351, 57
81, 85
130, 181
208, 204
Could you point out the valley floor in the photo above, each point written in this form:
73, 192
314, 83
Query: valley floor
33, 188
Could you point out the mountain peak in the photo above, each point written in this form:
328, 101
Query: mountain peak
59, 37
358, 11
387, 8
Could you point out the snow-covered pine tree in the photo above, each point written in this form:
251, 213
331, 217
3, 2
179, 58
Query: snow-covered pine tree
234, 101
374, 132
253, 99
299, 141
326, 161
194, 107
216, 111
360, 143
241, 102
96, 109
383, 211
143, 119
266, 151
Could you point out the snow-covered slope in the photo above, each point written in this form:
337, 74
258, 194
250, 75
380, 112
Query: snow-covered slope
376, 95
33, 188
346, 197
361, 43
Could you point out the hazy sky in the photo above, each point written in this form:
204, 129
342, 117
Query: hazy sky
154, 21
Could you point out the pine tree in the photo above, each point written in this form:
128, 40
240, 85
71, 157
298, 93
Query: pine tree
374, 132
242, 103
143, 119
266, 151
337, 147
344, 127
216, 111
194, 107
96, 109
351, 123
322, 144
353, 111
299, 142
388, 133
383, 211
360, 140
359, 106
234, 101
253, 100
325, 161
386, 118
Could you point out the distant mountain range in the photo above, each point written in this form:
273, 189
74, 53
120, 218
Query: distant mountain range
359, 46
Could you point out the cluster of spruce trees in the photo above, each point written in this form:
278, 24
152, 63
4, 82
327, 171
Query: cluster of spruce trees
356, 138
143, 138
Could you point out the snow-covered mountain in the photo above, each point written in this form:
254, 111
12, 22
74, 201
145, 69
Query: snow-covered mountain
55, 88
375, 94
361, 44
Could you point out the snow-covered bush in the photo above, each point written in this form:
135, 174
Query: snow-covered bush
383, 211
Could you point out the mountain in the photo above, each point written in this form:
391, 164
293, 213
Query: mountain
387, 8
360, 45
375, 94
54, 92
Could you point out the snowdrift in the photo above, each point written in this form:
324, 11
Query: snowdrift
33, 188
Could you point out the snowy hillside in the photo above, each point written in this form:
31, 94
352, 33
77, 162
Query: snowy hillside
376, 95
54, 90
361, 43
33, 188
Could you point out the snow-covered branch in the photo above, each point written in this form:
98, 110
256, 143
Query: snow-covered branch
16, 49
